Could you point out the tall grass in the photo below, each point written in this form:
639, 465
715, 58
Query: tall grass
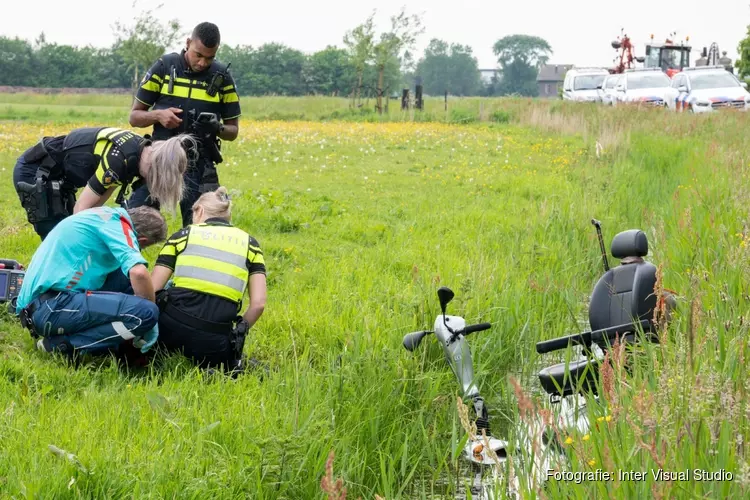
360, 224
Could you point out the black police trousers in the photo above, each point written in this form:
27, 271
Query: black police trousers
205, 349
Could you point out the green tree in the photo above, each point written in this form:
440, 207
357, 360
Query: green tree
520, 57
743, 61
51, 65
276, 69
402, 36
449, 67
329, 71
142, 43
18, 63
360, 43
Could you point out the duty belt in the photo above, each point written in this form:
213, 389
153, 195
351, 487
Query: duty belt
199, 324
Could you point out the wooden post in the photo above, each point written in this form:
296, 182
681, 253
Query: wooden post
446, 100
419, 104
404, 99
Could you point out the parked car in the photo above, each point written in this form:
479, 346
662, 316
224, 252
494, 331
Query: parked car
581, 84
643, 86
707, 88
607, 89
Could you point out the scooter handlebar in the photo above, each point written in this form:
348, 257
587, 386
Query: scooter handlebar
475, 328
413, 339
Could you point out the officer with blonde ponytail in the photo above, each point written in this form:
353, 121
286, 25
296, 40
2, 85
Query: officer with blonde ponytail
98, 159
211, 264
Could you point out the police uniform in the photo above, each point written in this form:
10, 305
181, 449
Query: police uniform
211, 264
47, 175
171, 84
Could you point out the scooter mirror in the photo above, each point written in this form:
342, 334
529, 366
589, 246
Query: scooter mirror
413, 339
445, 295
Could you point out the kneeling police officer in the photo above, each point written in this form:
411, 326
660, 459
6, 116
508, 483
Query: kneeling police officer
99, 159
213, 263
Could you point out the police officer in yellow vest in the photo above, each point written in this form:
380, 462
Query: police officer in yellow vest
211, 264
189, 92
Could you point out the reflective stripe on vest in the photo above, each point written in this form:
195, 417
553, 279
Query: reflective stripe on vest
214, 261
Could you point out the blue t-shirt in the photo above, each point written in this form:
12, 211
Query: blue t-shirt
79, 253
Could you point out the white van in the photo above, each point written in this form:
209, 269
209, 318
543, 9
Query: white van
582, 84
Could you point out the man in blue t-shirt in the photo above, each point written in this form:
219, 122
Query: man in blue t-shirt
87, 288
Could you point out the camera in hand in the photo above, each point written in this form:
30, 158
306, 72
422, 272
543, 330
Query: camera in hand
206, 127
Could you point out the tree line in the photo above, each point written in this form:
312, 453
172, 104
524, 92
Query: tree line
367, 64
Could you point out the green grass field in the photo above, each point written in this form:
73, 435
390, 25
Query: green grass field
361, 220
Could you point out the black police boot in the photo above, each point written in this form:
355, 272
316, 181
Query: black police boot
252, 364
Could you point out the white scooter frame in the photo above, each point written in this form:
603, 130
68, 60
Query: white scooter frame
451, 332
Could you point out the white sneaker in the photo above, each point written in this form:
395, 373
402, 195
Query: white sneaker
43, 345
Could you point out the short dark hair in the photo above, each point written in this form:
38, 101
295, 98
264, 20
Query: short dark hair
208, 34
148, 223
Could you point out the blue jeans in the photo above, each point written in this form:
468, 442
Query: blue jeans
95, 322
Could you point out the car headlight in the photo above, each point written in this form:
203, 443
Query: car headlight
703, 103
747, 99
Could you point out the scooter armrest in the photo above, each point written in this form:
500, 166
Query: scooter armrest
587, 338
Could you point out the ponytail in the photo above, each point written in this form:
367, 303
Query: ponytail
215, 204
169, 161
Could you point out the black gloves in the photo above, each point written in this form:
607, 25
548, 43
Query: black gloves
208, 123
241, 328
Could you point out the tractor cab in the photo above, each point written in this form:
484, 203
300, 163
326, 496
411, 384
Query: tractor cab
669, 56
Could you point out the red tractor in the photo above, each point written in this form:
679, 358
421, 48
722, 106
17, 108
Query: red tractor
670, 56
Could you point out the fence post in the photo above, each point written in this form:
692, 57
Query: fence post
446, 100
404, 99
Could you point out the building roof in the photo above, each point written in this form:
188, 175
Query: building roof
552, 72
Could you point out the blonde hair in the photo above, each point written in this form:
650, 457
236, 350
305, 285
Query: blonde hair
215, 204
169, 161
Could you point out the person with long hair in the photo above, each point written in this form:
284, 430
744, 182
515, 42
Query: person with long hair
99, 160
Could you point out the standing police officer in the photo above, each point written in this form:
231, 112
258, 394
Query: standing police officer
183, 91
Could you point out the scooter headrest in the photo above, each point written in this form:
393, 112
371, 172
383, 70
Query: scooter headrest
630, 243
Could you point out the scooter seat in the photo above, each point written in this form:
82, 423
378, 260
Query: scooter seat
569, 381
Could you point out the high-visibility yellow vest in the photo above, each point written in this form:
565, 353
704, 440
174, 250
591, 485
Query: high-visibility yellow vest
214, 261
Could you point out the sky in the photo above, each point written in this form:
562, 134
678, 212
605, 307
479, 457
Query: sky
580, 32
